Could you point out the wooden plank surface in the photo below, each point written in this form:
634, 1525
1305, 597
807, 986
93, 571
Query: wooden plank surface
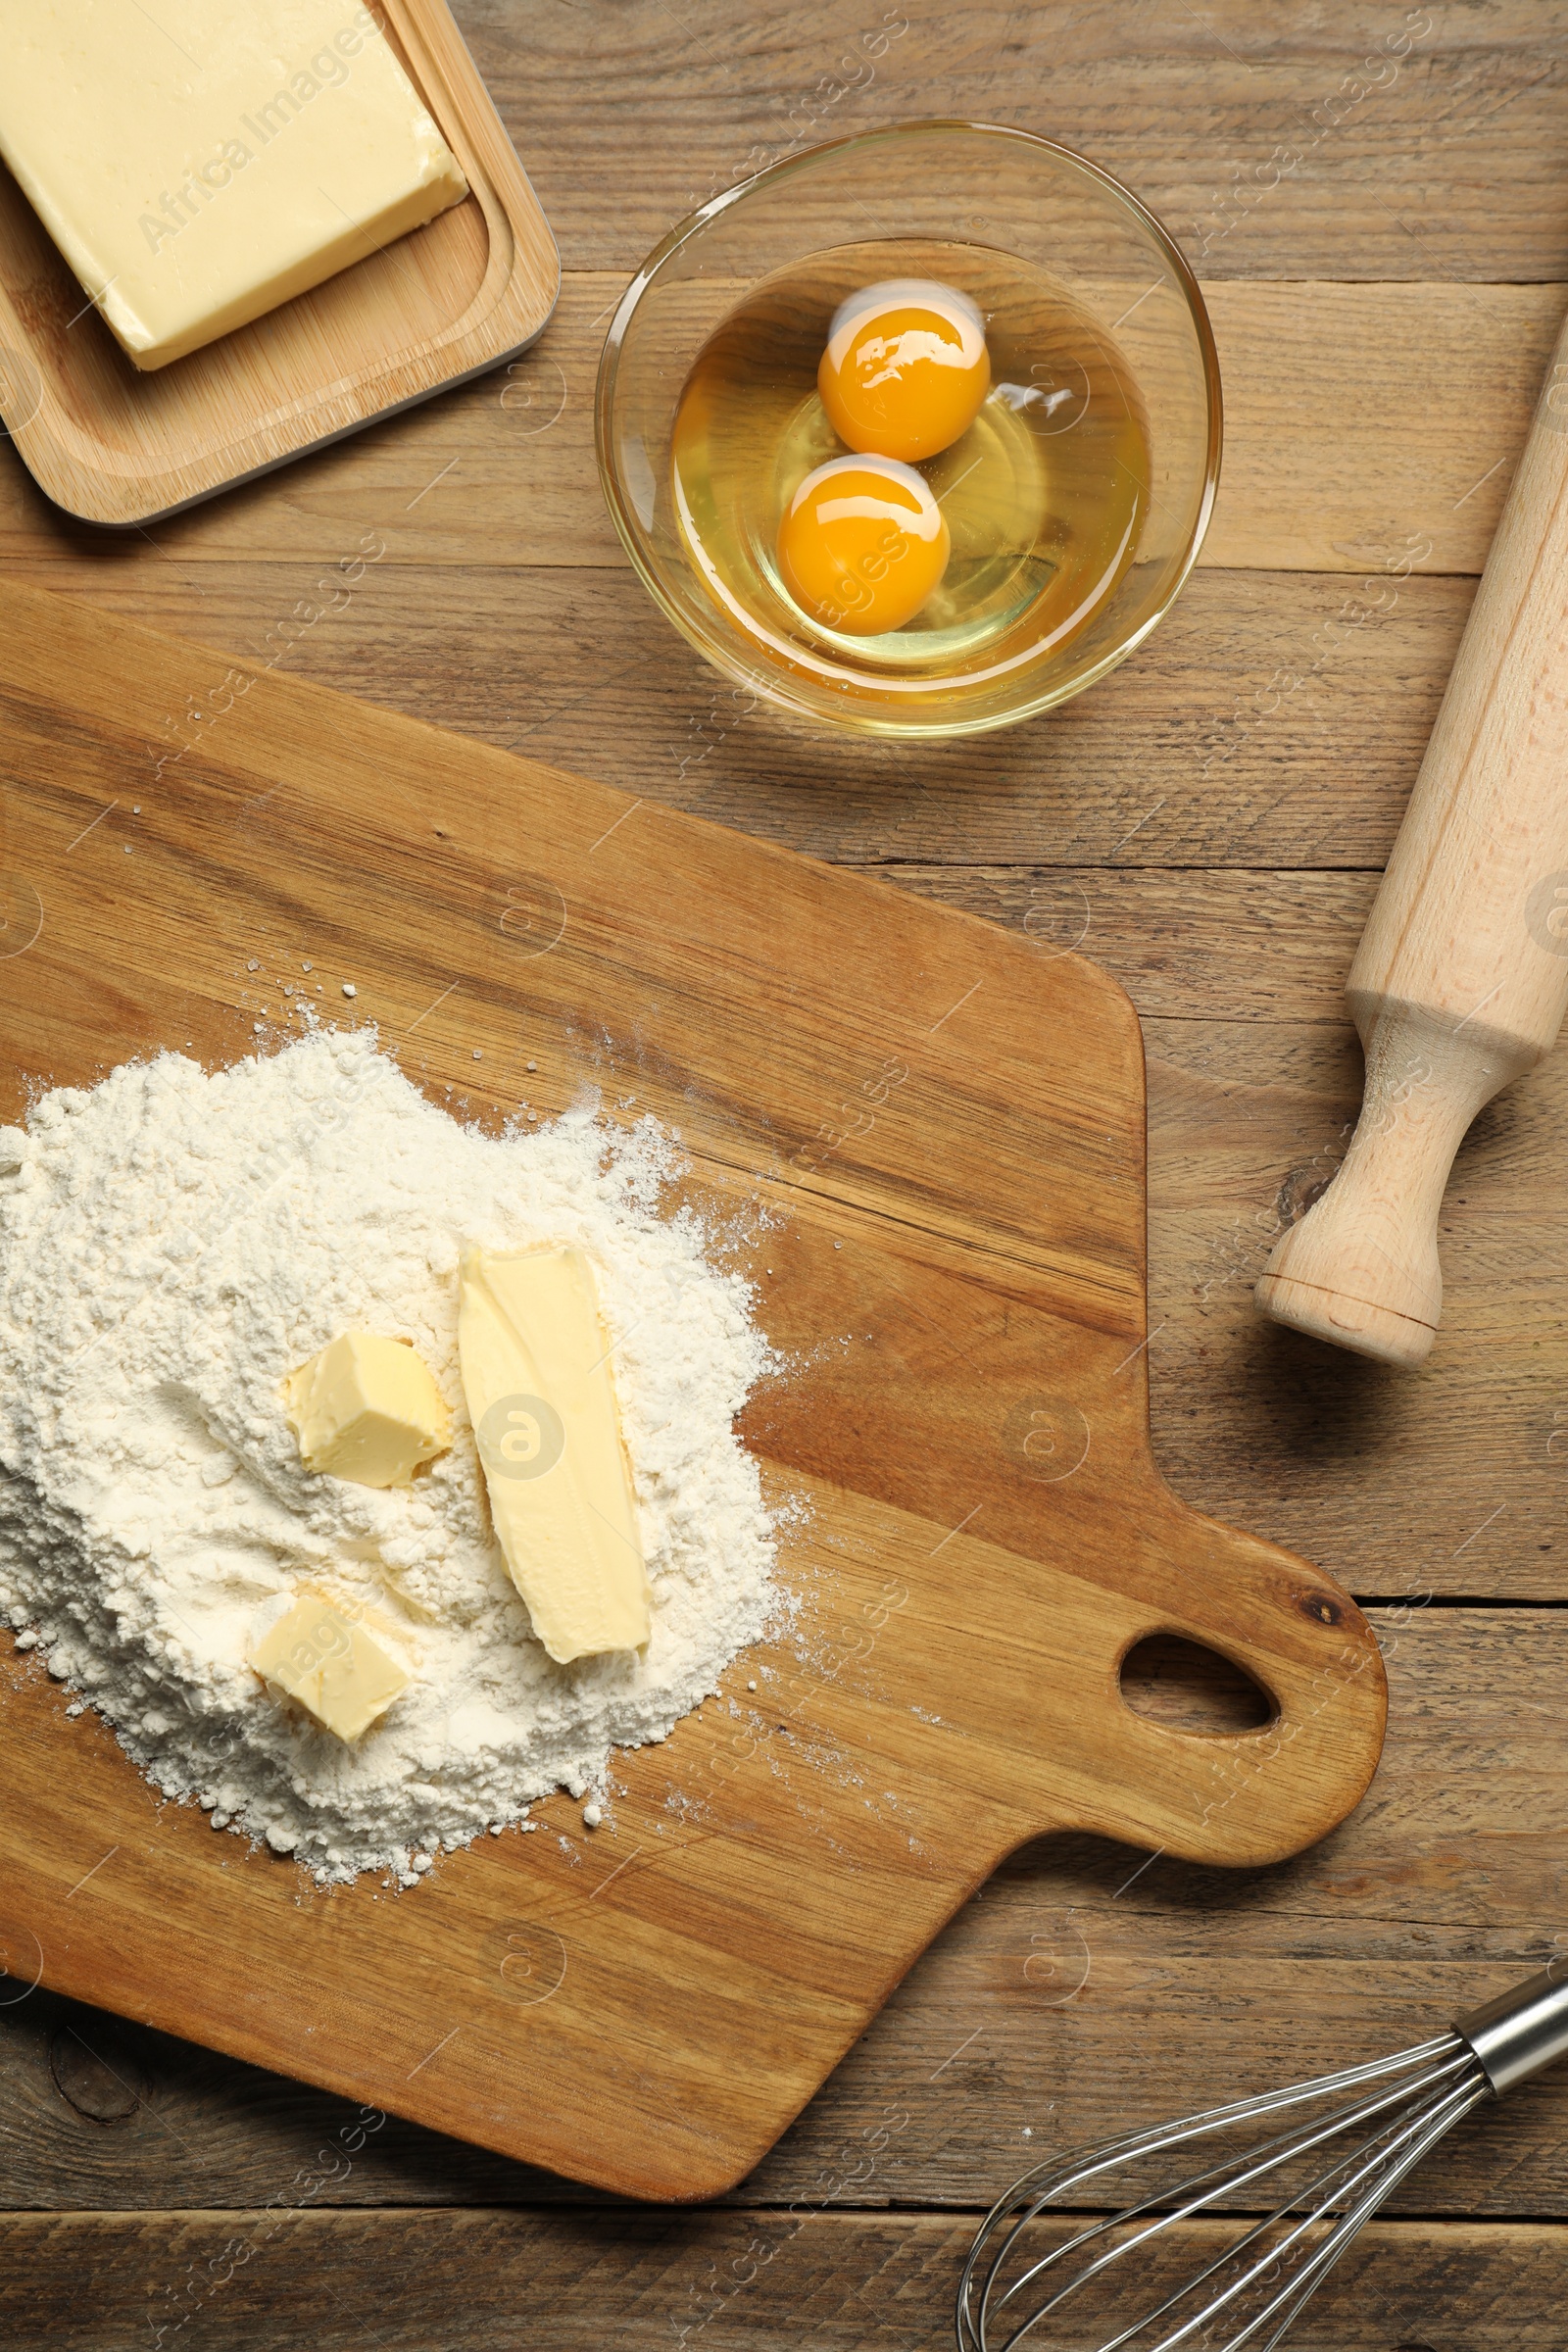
1441, 380
1218, 809
1197, 753
849, 2283
1335, 142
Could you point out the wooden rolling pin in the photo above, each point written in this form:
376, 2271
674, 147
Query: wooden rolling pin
1461, 977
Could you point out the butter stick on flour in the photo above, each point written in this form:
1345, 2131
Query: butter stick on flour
200, 162
536, 1372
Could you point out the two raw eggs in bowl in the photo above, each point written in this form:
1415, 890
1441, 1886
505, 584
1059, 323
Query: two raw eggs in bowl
915, 478
863, 542
913, 483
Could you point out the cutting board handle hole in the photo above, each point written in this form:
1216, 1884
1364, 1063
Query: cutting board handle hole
1184, 1687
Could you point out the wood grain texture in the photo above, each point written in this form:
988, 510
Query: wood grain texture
979, 1234
115, 446
1241, 128
748, 2283
1229, 945
1020, 2016
1441, 379
1247, 1120
1200, 752
1404, 421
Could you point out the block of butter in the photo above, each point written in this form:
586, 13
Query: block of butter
535, 1358
330, 1662
201, 161
368, 1409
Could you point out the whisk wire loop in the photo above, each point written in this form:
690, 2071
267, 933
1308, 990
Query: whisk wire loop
1411, 2099
1227, 2178
1328, 2189
1291, 2299
1380, 2178
1129, 2147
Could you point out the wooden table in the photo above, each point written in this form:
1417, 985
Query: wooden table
1377, 206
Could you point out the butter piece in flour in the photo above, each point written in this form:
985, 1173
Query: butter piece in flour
331, 1664
367, 1408
536, 1371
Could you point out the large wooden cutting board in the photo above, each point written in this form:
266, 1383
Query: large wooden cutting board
947, 1125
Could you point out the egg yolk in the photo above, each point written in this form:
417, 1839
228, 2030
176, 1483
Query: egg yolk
906, 367
863, 544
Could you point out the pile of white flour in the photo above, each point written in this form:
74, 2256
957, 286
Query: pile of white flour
171, 1244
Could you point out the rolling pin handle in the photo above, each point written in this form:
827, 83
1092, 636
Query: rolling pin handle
1361, 1267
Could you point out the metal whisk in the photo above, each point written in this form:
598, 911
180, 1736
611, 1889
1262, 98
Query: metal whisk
1126, 2281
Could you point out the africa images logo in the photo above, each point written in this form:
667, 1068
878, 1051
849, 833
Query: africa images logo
520, 1437
266, 122
1546, 913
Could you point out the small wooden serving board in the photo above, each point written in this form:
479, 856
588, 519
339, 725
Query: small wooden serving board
945, 1124
472, 288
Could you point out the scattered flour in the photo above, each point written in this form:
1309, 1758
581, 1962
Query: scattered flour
171, 1244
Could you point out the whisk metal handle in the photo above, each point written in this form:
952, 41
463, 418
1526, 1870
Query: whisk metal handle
1519, 2033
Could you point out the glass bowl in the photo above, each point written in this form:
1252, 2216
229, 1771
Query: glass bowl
996, 191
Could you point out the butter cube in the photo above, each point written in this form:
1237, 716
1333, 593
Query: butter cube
329, 1662
201, 161
368, 1410
535, 1358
